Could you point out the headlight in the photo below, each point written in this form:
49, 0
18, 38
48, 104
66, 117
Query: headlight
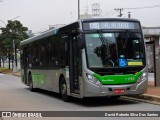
143, 77
144, 74
92, 79
89, 77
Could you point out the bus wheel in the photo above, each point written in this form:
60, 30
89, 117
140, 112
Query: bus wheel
31, 83
63, 90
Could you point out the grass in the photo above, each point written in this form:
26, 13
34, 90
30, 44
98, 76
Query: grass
5, 70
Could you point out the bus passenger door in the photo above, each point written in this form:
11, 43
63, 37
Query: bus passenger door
74, 65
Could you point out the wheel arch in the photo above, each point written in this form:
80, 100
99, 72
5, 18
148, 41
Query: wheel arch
29, 73
60, 78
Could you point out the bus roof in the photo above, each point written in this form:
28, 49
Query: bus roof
108, 19
57, 30
43, 35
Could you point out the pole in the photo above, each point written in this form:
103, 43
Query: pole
14, 57
120, 11
129, 14
78, 9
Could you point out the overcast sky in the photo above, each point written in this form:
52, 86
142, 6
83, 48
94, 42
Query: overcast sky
37, 15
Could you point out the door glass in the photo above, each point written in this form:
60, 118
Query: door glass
74, 65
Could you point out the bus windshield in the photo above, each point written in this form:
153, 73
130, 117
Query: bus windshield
119, 49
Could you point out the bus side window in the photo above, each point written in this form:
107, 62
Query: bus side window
63, 58
48, 52
55, 52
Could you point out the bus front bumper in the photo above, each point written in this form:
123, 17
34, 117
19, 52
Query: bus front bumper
93, 90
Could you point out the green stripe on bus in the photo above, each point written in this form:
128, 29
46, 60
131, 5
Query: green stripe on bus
118, 79
38, 78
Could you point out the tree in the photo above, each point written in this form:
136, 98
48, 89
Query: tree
2, 49
14, 31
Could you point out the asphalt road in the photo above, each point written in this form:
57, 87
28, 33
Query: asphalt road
14, 96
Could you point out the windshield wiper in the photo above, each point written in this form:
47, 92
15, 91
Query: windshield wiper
105, 45
104, 42
126, 39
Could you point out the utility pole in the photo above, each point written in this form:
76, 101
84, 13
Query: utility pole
78, 9
14, 66
129, 14
120, 11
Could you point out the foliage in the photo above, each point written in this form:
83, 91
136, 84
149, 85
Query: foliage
5, 70
14, 30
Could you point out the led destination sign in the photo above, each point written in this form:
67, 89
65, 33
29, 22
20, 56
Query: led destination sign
110, 25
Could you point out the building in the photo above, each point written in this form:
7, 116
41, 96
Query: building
152, 39
83, 16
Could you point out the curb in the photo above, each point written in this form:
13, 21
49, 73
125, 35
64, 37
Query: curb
150, 97
16, 75
146, 98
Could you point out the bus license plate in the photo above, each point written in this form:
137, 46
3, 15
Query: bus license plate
119, 91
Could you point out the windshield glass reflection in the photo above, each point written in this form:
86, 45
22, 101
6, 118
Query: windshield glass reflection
114, 49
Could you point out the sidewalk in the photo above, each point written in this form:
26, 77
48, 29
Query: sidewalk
18, 74
152, 95
152, 90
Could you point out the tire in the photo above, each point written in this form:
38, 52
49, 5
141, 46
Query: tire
31, 84
63, 90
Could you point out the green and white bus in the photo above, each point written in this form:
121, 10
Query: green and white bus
89, 58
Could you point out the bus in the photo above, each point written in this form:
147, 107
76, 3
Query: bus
93, 57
